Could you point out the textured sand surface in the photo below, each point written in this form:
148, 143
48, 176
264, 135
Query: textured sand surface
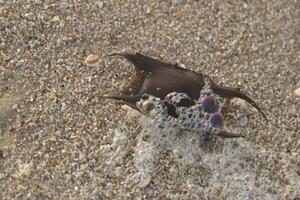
59, 140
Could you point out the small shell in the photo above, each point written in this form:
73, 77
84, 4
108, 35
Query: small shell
92, 59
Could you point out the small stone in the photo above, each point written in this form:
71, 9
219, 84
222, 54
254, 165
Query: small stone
192, 141
240, 102
5, 57
132, 112
179, 14
177, 154
297, 92
92, 59
145, 180
148, 10
54, 94
147, 106
24, 170
83, 103
63, 106
100, 4
182, 66
55, 18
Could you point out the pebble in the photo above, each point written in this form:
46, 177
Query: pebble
148, 106
6, 57
178, 15
55, 18
192, 140
177, 154
131, 112
240, 102
145, 180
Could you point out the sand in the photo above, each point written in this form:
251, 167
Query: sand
59, 140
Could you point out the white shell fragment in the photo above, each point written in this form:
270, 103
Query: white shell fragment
297, 92
92, 59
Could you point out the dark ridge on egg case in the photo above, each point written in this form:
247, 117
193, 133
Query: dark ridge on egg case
159, 79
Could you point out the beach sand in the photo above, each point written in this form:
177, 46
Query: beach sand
59, 140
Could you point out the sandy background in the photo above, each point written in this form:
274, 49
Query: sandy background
57, 138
